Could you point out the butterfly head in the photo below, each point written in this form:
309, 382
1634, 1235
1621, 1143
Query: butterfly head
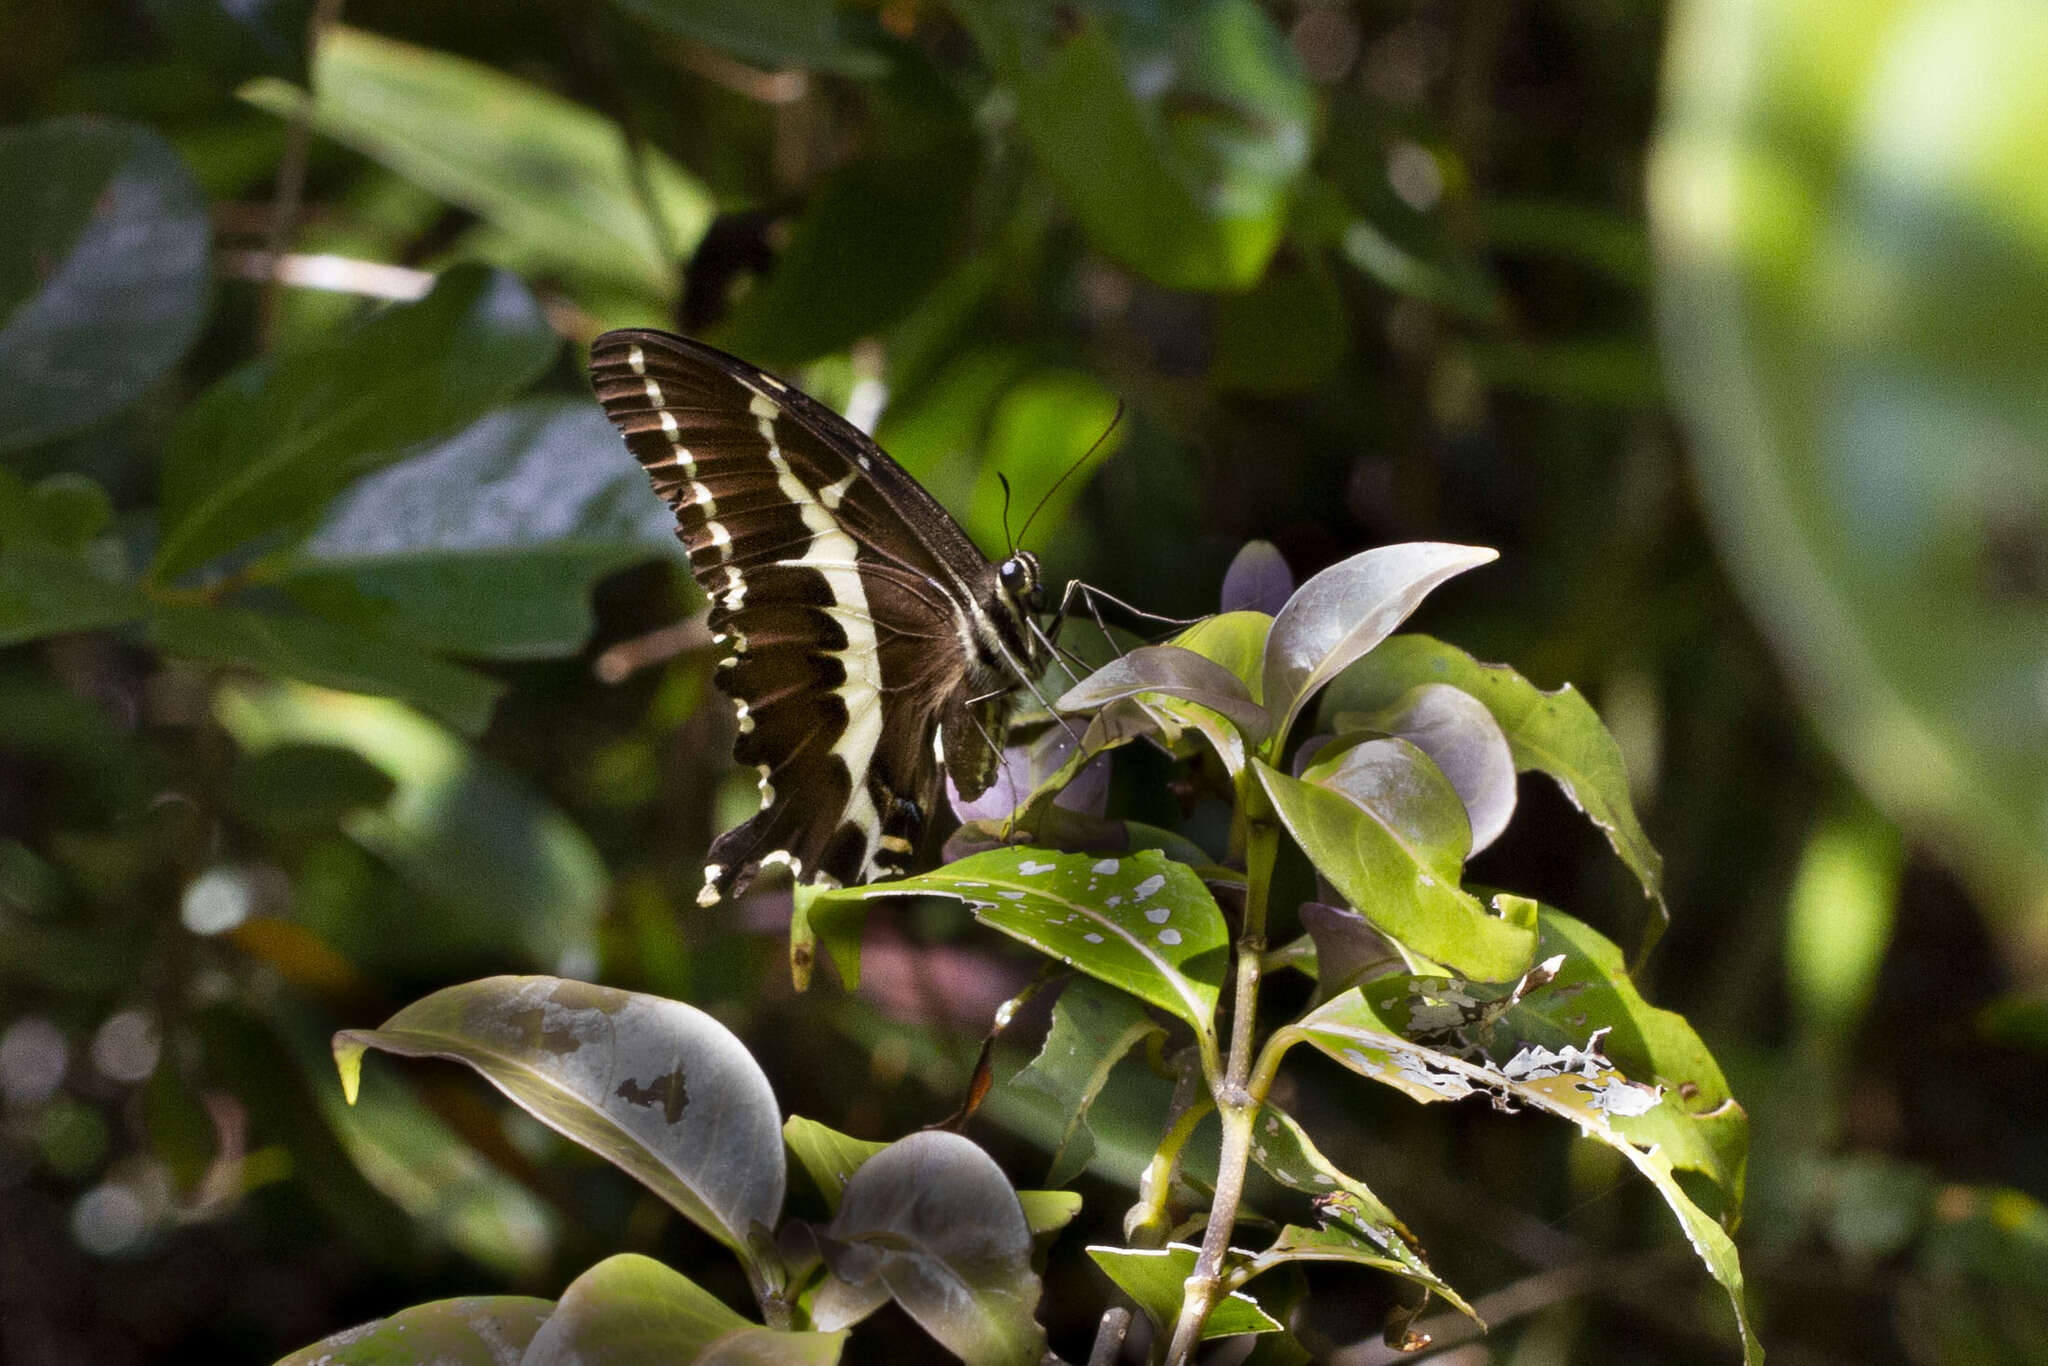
1019, 576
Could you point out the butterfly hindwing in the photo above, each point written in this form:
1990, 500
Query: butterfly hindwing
855, 616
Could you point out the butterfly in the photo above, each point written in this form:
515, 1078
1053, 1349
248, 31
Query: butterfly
870, 649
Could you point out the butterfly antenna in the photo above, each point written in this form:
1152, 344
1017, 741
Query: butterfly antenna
1010, 542
1086, 456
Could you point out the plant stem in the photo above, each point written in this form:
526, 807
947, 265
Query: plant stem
1237, 1104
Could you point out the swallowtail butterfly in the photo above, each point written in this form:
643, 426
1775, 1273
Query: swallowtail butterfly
870, 648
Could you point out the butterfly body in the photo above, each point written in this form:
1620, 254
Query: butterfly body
869, 646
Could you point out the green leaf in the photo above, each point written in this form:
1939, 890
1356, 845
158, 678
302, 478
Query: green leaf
1140, 922
1355, 1226
1388, 831
1576, 1083
1557, 733
1343, 612
104, 272
1188, 181
1175, 672
1154, 1277
451, 1191
63, 511
875, 234
655, 1087
1462, 738
1853, 291
826, 1155
478, 1330
553, 178
45, 592
268, 445
500, 868
331, 654
1047, 1212
933, 1218
1092, 1029
630, 1310
488, 543
1040, 425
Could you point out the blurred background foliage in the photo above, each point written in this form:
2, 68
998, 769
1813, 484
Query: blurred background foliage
344, 655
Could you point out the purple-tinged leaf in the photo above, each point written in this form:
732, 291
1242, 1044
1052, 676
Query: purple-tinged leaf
1345, 611
1258, 580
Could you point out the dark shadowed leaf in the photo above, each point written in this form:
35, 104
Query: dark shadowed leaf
551, 177
46, 591
827, 1156
481, 1330
874, 233
1457, 731
331, 654
1285, 334
1348, 949
656, 1087
488, 543
494, 866
103, 272
1575, 1083
631, 1310
1139, 922
934, 1219
1258, 580
1153, 1277
1345, 611
1388, 831
268, 445
1092, 1028
1355, 1226
1174, 137
1557, 733
786, 33
1176, 672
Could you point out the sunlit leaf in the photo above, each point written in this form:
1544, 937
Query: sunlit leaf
1576, 1082
1460, 735
1092, 1029
656, 1087
268, 445
1153, 1278
1557, 733
1038, 428
1139, 922
934, 1219
1388, 831
104, 274
1177, 672
480, 1330
1343, 612
1355, 1226
488, 543
630, 1310
827, 1156
553, 177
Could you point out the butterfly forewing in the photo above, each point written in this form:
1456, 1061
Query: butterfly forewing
856, 617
